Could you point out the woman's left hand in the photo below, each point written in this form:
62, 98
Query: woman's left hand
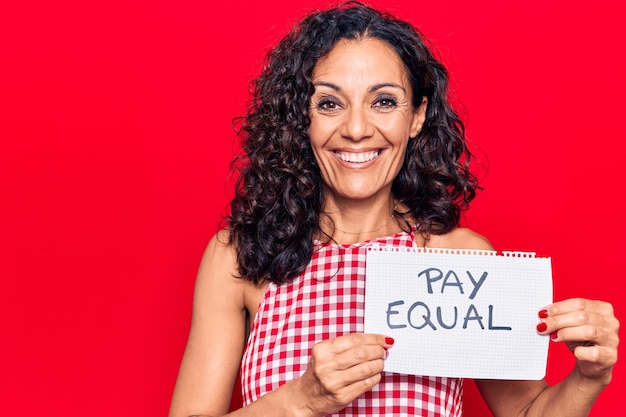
590, 329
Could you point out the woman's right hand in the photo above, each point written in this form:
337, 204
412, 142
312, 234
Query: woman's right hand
341, 369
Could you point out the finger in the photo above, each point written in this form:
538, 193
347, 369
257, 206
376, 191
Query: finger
358, 355
347, 392
577, 326
349, 341
576, 304
599, 314
357, 376
587, 336
366, 376
562, 307
591, 335
601, 357
575, 318
325, 363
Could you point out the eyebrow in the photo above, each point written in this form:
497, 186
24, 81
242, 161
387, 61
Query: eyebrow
377, 87
372, 89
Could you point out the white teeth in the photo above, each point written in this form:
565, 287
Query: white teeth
357, 157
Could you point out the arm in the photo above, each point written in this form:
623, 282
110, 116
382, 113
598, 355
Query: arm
589, 328
339, 370
216, 338
591, 331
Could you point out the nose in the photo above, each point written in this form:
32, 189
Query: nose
356, 124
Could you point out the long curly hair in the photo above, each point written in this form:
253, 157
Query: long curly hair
278, 195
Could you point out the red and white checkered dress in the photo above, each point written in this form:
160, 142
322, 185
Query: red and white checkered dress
325, 301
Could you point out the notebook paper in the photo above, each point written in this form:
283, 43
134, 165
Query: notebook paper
459, 313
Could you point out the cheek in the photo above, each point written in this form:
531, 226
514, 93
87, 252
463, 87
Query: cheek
396, 128
318, 132
316, 144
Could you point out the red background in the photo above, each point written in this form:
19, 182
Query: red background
115, 130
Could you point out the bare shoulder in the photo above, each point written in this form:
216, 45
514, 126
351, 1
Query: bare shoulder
219, 260
219, 274
460, 238
219, 246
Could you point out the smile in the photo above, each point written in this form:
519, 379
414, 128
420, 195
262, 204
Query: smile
357, 157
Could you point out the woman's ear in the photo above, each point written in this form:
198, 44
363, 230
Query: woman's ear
419, 116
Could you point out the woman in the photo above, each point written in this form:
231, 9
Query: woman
350, 141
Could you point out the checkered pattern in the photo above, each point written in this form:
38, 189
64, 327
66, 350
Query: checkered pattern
326, 301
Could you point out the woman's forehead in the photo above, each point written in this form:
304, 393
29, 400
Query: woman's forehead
369, 58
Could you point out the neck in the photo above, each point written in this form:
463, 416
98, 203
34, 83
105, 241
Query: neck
357, 223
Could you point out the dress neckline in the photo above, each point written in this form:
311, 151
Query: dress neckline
331, 244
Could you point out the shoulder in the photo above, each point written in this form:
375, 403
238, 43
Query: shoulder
220, 248
219, 279
218, 269
460, 238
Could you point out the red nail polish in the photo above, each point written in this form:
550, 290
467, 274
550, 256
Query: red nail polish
541, 327
543, 314
389, 340
553, 335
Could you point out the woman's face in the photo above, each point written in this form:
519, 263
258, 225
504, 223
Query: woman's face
361, 118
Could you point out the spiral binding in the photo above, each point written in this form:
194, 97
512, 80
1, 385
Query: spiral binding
446, 251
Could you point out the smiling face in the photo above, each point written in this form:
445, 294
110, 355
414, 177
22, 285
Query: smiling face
361, 119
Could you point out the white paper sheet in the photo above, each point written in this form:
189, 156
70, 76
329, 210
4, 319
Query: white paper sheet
411, 295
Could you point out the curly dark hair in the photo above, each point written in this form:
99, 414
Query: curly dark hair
278, 197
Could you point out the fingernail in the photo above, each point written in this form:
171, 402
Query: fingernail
553, 335
541, 327
543, 314
389, 340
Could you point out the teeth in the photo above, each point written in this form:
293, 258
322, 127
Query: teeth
357, 157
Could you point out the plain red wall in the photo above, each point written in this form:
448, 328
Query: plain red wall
115, 133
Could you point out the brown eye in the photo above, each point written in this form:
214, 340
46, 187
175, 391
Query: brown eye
386, 102
328, 104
